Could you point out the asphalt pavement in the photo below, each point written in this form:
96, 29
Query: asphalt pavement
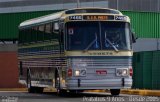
19, 96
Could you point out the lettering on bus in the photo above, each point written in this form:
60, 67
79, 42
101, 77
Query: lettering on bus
100, 53
120, 17
95, 17
78, 17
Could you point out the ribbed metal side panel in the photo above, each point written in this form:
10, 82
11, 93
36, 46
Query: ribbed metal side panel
39, 59
40, 53
145, 24
147, 75
156, 70
146, 70
138, 71
44, 63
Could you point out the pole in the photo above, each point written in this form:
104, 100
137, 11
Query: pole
117, 4
78, 3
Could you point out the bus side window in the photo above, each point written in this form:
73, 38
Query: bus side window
61, 29
40, 36
32, 38
21, 36
48, 32
27, 36
34, 34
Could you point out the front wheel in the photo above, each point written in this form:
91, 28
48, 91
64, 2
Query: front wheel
32, 89
115, 91
75, 91
29, 85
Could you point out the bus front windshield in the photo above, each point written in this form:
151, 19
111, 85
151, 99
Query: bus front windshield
97, 35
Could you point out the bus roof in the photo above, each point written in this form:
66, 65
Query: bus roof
41, 19
92, 10
55, 16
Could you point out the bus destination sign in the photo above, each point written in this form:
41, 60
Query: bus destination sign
95, 17
91, 17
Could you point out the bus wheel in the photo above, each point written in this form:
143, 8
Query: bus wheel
75, 91
30, 88
61, 92
39, 89
115, 91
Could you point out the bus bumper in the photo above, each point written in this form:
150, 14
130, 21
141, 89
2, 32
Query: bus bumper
81, 84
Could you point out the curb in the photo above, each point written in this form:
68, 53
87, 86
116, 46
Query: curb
25, 89
13, 89
142, 92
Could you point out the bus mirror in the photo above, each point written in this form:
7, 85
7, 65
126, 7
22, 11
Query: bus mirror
134, 38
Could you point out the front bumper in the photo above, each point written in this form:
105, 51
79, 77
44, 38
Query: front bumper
80, 84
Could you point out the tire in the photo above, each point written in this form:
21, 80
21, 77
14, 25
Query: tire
61, 92
115, 91
38, 89
29, 86
32, 89
75, 91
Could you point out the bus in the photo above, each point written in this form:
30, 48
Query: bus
75, 50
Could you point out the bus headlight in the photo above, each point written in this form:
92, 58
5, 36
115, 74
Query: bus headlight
122, 71
77, 73
80, 72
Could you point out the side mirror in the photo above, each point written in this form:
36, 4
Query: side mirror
134, 38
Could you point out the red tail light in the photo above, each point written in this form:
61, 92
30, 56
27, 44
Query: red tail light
69, 72
131, 72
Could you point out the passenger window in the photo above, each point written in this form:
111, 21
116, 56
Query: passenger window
48, 28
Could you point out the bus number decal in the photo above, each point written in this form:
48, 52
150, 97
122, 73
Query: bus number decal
120, 18
75, 17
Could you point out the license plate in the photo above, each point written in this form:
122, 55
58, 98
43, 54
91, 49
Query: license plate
101, 72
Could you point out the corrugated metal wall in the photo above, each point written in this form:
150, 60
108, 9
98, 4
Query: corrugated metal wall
145, 24
9, 22
146, 70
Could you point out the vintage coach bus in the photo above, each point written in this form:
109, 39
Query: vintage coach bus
76, 50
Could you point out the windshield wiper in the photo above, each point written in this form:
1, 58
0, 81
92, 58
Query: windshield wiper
106, 39
91, 43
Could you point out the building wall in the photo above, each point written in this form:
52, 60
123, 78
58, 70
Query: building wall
8, 67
